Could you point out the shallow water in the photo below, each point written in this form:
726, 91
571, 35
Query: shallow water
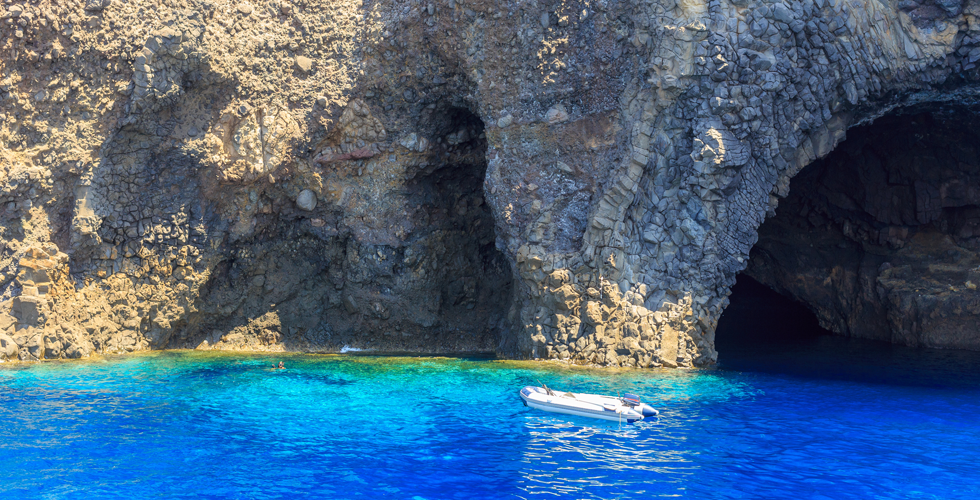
192, 425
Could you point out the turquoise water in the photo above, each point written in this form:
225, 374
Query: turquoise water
189, 425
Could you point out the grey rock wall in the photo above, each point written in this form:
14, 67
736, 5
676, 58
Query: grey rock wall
299, 175
723, 104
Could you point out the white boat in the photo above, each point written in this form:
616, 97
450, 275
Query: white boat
625, 409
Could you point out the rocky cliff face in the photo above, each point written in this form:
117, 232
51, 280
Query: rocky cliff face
879, 237
564, 179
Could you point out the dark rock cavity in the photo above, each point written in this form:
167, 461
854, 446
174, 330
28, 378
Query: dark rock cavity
880, 238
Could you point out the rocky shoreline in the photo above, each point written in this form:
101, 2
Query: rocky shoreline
578, 181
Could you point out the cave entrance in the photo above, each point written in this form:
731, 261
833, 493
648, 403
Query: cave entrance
761, 329
757, 313
471, 278
880, 238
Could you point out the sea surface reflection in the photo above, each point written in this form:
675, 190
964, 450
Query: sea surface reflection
193, 425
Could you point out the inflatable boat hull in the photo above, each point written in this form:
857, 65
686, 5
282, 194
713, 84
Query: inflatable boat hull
585, 405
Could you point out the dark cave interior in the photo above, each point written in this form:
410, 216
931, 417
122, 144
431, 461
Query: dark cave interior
879, 238
758, 314
443, 288
449, 196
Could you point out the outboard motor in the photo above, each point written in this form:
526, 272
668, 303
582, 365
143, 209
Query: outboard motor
633, 401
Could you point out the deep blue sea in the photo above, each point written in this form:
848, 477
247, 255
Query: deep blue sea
879, 422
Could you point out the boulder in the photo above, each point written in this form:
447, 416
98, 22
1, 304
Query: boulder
306, 200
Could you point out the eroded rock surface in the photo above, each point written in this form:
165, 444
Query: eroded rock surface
578, 180
880, 239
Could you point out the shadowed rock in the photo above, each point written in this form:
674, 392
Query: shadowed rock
569, 180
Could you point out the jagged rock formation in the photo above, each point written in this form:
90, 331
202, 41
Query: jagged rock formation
578, 180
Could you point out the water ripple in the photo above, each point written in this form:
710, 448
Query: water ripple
187, 425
